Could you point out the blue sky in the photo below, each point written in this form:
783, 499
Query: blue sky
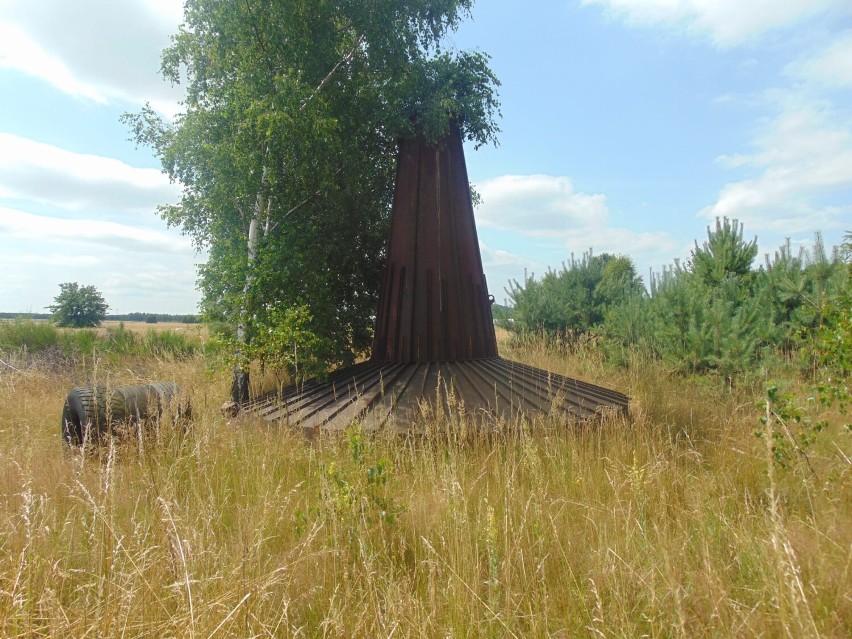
628, 126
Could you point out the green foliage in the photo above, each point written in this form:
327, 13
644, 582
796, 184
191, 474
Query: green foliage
789, 428
26, 334
697, 328
286, 150
504, 316
153, 318
573, 301
41, 339
354, 491
285, 341
724, 254
78, 306
715, 314
122, 317
830, 349
169, 344
802, 290
80, 344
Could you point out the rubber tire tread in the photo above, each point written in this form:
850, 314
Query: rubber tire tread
87, 409
87, 412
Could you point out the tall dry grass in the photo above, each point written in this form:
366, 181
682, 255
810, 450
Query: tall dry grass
672, 522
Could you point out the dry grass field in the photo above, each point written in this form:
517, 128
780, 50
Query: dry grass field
199, 330
673, 522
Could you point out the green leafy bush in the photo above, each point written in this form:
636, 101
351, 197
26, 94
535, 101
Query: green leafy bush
572, 302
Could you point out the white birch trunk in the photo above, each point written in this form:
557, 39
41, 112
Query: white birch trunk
240, 385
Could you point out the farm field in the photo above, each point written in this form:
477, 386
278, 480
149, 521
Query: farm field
190, 330
671, 522
142, 327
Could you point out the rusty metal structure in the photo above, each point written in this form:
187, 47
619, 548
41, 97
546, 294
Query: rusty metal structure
434, 338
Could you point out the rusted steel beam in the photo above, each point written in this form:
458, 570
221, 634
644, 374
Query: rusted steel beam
393, 393
434, 303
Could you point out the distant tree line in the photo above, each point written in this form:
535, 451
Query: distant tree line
715, 313
150, 318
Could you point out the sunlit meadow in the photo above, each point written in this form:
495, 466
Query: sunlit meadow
673, 521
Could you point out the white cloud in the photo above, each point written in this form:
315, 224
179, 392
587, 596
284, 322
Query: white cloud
725, 22
500, 257
157, 283
170, 12
802, 172
556, 221
107, 235
60, 260
35, 171
831, 66
797, 176
502, 267
136, 269
546, 206
99, 50
19, 51
536, 204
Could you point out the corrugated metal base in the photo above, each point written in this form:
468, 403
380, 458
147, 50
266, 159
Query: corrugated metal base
390, 395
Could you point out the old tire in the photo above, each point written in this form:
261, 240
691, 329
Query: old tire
91, 412
85, 415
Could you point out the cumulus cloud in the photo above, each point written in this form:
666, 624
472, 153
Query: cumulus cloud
158, 287
547, 206
556, 221
98, 50
106, 235
35, 171
136, 269
157, 283
60, 260
725, 22
537, 204
796, 177
801, 173
500, 257
502, 267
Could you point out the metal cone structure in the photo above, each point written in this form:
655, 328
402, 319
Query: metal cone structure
434, 304
434, 339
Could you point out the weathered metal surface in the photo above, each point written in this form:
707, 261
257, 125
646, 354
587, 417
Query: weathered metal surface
392, 394
434, 302
434, 341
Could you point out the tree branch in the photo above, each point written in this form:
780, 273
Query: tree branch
299, 205
260, 41
326, 79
